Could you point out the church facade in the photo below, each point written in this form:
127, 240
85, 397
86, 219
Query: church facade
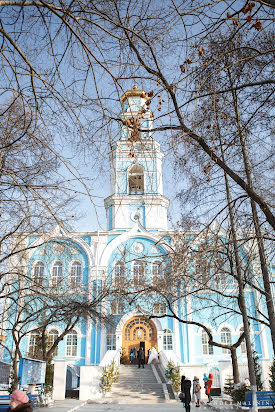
133, 250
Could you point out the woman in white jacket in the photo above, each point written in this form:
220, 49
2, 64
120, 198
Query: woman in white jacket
153, 357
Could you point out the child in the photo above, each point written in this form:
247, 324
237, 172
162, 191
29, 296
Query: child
196, 391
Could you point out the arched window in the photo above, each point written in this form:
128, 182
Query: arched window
38, 273
111, 340
243, 345
57, 273
119, 272
76, 273
167, 340
156, 271
71, 347
138, 273
117, 307
226, 339
206, 348
159, 308
33, 344
136, 180
216, 377
52, 337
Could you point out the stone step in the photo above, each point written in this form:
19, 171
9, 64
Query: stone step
137, 381
137, 385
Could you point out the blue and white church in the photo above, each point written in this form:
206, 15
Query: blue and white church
132, 249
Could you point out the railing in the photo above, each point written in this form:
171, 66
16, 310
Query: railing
109, 357
166, 356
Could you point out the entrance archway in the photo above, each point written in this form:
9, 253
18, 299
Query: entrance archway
137, 332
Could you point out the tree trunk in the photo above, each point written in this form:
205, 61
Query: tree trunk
241, 298
235, 366
259, 237
15, 381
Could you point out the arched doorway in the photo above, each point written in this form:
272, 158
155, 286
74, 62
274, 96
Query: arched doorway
137, 332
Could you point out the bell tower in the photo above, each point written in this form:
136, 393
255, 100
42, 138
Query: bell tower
136, 169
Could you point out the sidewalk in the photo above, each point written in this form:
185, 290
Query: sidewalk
73, 405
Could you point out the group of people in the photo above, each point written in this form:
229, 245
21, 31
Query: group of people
186, 385
138, 356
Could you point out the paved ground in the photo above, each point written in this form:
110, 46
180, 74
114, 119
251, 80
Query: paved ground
71, 405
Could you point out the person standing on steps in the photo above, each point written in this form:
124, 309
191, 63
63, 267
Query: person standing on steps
141, 357
185, 387
196, 391
132, 356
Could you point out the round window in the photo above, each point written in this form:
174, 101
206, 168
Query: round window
138, 247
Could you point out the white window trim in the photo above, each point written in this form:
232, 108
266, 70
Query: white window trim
168, 333
33, 270
58, 334
159, 304
206, 344
226, 351
160, 266
52, 266
71, 346
70, 272
119, 261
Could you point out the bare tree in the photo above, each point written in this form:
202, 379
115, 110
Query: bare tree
34, 305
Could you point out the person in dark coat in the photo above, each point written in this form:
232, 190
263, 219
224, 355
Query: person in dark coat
19, 402
141, 357
185, 387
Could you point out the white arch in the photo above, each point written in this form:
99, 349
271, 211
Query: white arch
226, 325
136, 312
136, 231
210, 327
61, 234
54, 327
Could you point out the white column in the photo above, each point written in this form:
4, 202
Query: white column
59, 381
88, 343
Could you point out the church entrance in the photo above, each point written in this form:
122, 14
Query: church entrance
138, 332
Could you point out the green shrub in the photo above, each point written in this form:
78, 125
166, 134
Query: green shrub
258, 372
172, 372
238, 394
228, 385
109, 376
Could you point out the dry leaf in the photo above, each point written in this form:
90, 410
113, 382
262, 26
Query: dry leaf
182, 68
258, 25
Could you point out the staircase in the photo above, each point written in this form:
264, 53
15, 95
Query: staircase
137, 386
